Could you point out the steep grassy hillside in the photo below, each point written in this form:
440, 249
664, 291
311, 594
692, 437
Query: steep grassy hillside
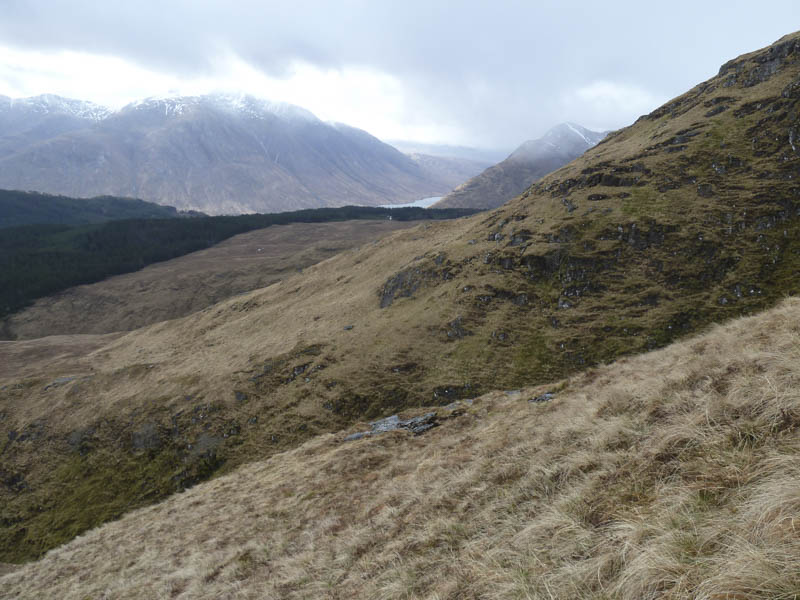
688, 217
181, 286
29, 208
671, 475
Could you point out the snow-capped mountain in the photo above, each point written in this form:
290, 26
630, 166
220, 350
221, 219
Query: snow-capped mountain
219, 153
50, 104
566, 139
531, 161
26, 122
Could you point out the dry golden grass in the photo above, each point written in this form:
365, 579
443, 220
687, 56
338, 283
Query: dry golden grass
674, 474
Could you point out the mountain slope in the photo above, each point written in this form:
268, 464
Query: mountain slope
27, 121
688, 217
530, 162
219, 154
670, 475
448, 169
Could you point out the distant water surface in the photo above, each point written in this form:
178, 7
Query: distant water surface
424, 203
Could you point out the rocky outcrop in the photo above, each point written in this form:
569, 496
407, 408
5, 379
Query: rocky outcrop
416, 425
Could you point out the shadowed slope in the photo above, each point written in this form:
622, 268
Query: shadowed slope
669, 475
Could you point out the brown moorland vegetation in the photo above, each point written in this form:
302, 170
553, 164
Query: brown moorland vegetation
688, 217
673, 474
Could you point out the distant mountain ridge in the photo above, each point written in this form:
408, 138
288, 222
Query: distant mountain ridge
484, 155
527, 164
48, 104
216, 153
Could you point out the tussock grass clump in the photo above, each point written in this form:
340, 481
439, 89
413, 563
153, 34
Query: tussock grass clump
673, 474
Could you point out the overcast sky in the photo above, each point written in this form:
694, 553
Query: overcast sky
480, 73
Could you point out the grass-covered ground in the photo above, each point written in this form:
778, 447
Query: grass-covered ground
669, 475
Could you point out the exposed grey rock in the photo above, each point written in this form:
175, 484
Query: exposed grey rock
400, 285
59, 381
456, 329
416, 425
421, 424
546, 397
387, 424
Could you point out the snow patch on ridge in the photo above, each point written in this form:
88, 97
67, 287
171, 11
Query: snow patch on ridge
170, 105
583, 137
241, 104
52, 104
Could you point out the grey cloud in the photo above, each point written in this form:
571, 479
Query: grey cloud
496, 70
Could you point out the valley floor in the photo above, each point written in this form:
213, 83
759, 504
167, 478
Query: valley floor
673, 474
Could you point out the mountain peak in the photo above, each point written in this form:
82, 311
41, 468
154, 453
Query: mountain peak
44, 104
564, 138
238, 103
528, 163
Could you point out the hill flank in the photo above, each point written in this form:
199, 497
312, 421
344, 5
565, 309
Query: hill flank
688, 217
670, 475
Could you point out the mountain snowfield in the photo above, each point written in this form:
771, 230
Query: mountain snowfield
218, 153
